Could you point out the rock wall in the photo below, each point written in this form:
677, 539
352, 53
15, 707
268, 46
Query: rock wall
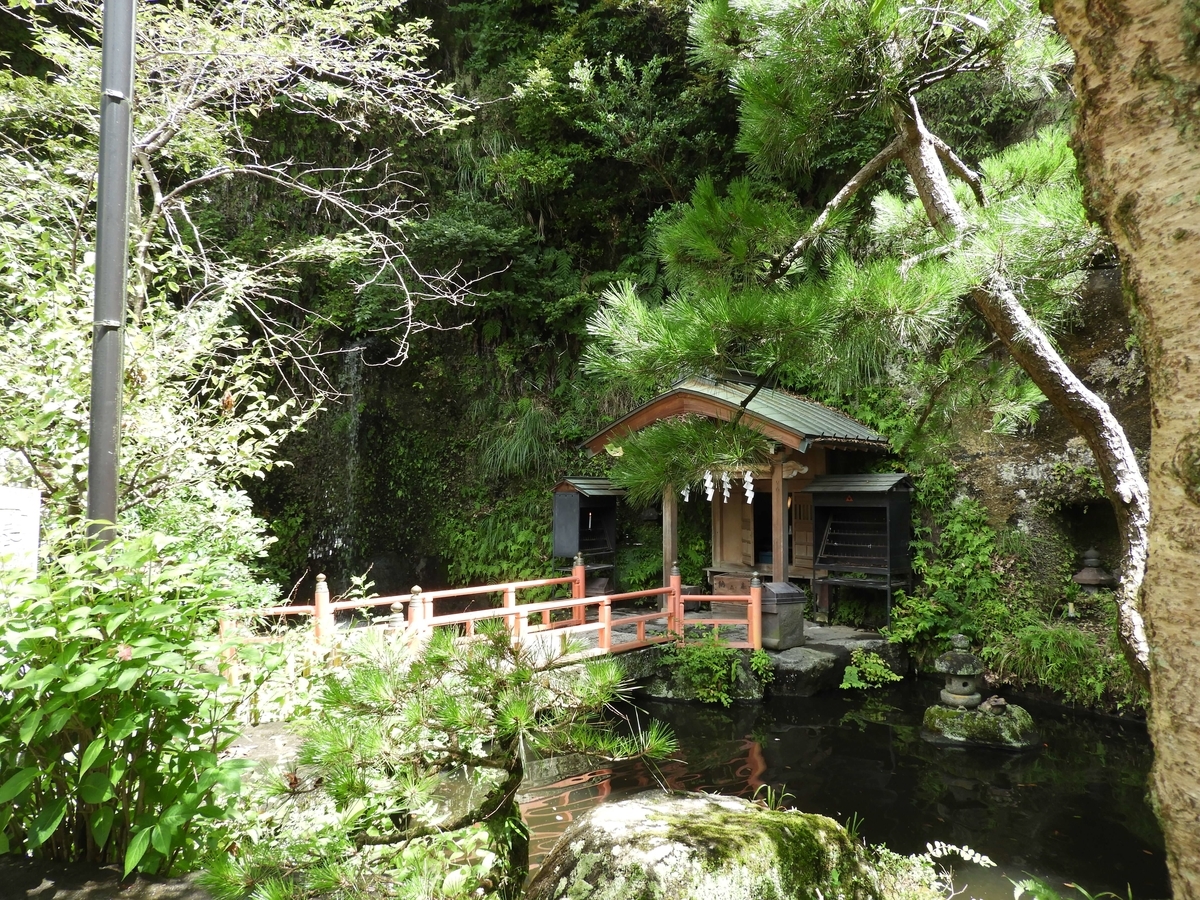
1044, 482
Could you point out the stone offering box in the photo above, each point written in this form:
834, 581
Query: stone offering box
782, 615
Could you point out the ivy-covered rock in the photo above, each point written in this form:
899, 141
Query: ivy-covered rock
706, 671
659, 845
1010, 728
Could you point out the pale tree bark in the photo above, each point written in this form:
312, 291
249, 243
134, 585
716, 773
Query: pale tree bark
1032, 350
1137, 78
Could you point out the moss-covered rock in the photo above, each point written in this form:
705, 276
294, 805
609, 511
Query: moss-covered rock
668, 682
1010, 729
660, 846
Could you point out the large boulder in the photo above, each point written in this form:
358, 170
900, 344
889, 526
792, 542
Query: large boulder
1003, 726
660, 846
841, 641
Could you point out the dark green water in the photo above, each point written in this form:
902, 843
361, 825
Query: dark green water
1073, 812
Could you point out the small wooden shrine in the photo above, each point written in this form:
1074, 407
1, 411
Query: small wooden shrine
585, 524
862, 528
771, 529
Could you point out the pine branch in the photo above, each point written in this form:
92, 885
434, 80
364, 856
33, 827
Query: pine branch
906, 265
495, 801
840, 199
966, 62
959, 168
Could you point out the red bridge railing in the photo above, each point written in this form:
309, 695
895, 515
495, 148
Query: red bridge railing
415, 611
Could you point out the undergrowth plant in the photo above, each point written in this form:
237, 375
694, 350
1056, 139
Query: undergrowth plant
114, 718
954, 550
867, 670
708, 669
762, 666
1072, 662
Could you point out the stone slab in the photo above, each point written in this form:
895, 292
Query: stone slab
840, 640
803, 671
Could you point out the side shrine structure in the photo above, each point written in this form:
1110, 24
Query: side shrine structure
815, 516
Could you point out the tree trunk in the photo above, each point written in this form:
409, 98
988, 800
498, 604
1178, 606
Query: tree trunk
1033, 352
1137, 78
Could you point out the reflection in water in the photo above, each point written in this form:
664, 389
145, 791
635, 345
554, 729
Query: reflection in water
1076, 810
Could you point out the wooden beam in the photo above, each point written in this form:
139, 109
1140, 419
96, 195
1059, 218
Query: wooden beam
680, 403
778, 522
670, 508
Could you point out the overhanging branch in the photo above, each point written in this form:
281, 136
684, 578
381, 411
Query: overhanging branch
959, 168
840, 199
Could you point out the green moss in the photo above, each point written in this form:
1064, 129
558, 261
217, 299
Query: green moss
1013, 728
816, 856
1189, 28
712, 849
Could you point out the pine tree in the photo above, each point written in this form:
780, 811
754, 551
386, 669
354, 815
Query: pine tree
809, 73
1137, 78
405, 785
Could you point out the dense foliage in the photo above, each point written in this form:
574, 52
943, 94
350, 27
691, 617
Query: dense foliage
114, 718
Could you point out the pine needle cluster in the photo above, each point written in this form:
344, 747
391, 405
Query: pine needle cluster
406, 781
676, 453
886, 311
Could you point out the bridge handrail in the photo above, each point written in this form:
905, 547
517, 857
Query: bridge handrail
418, 610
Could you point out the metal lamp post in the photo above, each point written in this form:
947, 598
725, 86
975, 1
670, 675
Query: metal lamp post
112, 264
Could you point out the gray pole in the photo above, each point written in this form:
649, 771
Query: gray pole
112, 262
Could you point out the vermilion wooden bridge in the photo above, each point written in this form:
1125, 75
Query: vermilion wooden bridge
590, 620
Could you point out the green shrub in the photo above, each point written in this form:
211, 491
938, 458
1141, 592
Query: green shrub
112, 725
708, 669
1069, 661
867, 670
762, 666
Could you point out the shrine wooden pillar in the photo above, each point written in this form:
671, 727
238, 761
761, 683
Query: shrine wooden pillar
670, 511
779, 542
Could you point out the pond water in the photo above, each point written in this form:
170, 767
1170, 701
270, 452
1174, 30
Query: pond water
1075, 811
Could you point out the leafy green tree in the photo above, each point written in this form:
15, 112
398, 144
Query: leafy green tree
222, 356
801, 70
402, 730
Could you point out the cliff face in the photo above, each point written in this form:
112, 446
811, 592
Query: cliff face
1044, 482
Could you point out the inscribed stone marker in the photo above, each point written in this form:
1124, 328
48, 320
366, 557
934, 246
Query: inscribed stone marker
20, 518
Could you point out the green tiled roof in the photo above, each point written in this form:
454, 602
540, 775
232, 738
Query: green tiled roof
845, 484
793, 419
593, 487
814, 420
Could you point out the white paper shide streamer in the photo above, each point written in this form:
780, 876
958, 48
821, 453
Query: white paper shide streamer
748, 485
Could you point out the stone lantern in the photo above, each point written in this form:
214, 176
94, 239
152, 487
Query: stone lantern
1091, 578
963, 671
960, 719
